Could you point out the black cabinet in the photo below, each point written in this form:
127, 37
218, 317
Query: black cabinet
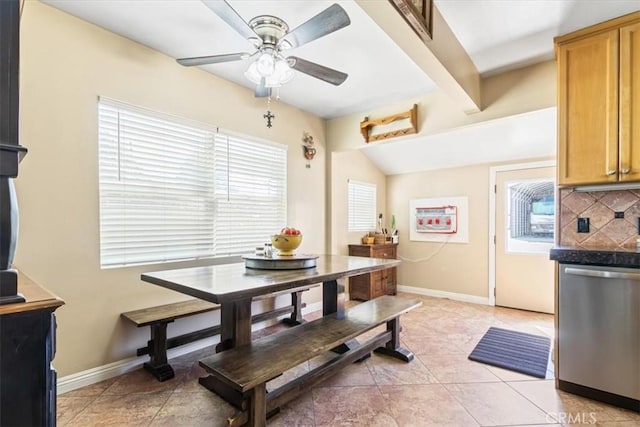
27, 378
27, 348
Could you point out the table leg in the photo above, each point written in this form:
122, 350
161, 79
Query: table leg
235, 324
235, 331
333, 297
333, 300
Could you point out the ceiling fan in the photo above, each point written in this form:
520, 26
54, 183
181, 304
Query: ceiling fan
271, 37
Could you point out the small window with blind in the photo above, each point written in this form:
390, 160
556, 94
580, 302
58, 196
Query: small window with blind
173, 190
362, 206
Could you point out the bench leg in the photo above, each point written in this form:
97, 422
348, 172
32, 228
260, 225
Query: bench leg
296, 315
158, 364
258, 406
392, 348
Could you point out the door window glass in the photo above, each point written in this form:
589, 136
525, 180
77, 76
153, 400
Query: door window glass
530, 208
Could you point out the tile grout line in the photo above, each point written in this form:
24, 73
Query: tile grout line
531, 401
84, 408
173, 392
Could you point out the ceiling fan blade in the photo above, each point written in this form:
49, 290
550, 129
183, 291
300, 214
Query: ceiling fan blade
261, 90
231, 17
326, 22
212, 59
318, 71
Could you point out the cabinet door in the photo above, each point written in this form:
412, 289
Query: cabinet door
360, 287
630, 103
588, 110
378, 283
388, 281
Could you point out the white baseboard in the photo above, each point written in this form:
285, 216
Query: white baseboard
104, 372
443, 294
310, 308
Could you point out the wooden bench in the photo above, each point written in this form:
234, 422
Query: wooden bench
247, 369
160, 316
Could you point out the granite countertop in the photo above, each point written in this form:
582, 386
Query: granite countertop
629, 258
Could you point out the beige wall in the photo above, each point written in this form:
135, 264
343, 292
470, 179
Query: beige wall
66, 64
451, 267
345, 166
429, 265
513, 92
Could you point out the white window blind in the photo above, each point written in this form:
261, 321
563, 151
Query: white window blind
250, 193
166, 187
362, 206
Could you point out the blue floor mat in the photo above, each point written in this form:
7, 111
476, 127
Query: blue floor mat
516, 351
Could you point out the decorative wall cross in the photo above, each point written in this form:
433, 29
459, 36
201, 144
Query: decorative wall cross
269, 116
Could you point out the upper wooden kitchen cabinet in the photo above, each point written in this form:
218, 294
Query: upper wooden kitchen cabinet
599, 103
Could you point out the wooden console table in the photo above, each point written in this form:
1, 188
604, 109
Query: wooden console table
377, 283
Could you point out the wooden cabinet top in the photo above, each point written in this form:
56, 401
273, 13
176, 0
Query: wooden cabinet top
602, 26
37, 298
374, 245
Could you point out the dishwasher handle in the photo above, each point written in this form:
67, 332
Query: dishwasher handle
601, 273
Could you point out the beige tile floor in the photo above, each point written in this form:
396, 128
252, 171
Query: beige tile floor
441, 387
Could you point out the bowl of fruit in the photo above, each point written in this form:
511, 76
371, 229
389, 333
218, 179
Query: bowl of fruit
287, 241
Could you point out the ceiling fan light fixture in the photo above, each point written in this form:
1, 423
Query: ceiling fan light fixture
281, 73
265, 64
252, 73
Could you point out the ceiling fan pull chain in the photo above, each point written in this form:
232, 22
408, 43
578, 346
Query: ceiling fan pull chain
269, 116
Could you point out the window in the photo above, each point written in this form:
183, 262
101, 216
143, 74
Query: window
175, 190
362, 206
530, 210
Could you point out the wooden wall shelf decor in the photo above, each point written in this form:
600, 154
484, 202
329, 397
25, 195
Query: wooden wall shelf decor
366, 125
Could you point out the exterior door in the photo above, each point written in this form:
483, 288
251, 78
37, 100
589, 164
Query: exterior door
525, 224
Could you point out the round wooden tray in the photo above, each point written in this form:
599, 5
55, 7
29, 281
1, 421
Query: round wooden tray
276, 262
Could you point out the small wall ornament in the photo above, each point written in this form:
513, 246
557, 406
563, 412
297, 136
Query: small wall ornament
308, 148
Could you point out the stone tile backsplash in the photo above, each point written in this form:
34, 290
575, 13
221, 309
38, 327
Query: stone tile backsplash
605, 231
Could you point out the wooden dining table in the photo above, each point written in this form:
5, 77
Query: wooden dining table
234, 286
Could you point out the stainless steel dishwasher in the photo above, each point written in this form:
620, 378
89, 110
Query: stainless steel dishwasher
599, 333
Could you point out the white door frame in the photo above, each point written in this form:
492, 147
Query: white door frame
493, 171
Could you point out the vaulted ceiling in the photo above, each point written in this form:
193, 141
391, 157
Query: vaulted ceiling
497, 35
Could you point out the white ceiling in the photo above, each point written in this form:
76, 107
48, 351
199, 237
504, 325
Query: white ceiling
507, 34
497, 34
378, 71
524, 136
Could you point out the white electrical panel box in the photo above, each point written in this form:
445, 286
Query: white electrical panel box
438, 219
